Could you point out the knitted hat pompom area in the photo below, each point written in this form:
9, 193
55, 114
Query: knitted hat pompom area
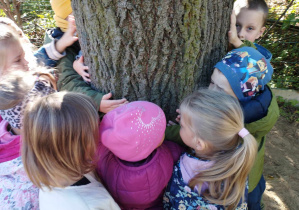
133, 131
247, 71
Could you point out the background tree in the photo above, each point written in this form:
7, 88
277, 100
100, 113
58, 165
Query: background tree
12, 10
155, 50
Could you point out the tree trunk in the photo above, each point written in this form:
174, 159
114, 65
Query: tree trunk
154, 50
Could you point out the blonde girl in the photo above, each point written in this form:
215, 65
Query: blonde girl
60, 138
213, 175
12, 53
16, 90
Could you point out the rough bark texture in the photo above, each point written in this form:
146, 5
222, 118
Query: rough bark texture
155, 50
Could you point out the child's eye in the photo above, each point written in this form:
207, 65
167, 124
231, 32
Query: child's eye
250, 28
237, 25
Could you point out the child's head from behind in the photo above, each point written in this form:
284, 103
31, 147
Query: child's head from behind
4, 21
11, 51
242, 73
62, 9
211, 123
133, 131
60, 136
17, 89
251, 18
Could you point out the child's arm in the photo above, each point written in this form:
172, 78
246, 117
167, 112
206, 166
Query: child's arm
52, 52
172, 133
71, 81
81, 69
68, 37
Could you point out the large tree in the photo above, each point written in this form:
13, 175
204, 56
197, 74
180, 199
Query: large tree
155, 50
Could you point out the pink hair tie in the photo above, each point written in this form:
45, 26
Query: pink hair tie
243, 132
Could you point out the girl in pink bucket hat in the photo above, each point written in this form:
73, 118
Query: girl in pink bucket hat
134, 162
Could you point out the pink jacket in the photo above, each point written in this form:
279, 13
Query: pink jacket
9, 144
138, 185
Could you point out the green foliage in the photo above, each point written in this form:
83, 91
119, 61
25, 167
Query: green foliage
283, 43
2, 14
35, 25
37, 16
289, 109
291, 19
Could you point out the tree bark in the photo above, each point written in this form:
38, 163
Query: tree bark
158, 51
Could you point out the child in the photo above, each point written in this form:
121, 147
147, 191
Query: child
69, 79
246, 79
51, 53
16, 90
244, 74
135, 164
60, 138
250, 22
213, 175
11, 51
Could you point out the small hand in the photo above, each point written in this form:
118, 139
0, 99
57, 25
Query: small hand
82, 70
232, 34
171, 123
108, 105
178, 118
68, 37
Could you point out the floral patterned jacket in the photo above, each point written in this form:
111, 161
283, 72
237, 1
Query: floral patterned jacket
179, 195
16, 190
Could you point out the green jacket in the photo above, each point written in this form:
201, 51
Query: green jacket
70, 80
258, 129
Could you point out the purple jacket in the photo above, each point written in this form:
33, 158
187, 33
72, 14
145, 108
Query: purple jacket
138, 185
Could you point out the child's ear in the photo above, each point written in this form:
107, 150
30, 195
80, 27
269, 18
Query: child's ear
200, 144
262, 31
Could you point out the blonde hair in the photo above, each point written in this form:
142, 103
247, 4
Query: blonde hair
16, 84
7, 39
216, 118
60, 135
10, 27
13, 25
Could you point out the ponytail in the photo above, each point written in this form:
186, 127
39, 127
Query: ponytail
217, 119
227, 176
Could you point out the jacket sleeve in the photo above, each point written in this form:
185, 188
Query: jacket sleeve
47, 54
175, 149
70, 80
247, 43
172, 133
43, 57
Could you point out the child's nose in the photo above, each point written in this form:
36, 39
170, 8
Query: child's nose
241, 34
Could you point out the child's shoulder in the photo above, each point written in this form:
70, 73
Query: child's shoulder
265, 52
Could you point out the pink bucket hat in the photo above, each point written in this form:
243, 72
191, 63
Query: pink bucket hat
133, 131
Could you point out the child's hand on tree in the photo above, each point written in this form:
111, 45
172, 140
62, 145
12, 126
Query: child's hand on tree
68, 37
108, 105
178, 118
232, 34
81, 69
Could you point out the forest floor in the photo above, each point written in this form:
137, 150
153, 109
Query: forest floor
281, 169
